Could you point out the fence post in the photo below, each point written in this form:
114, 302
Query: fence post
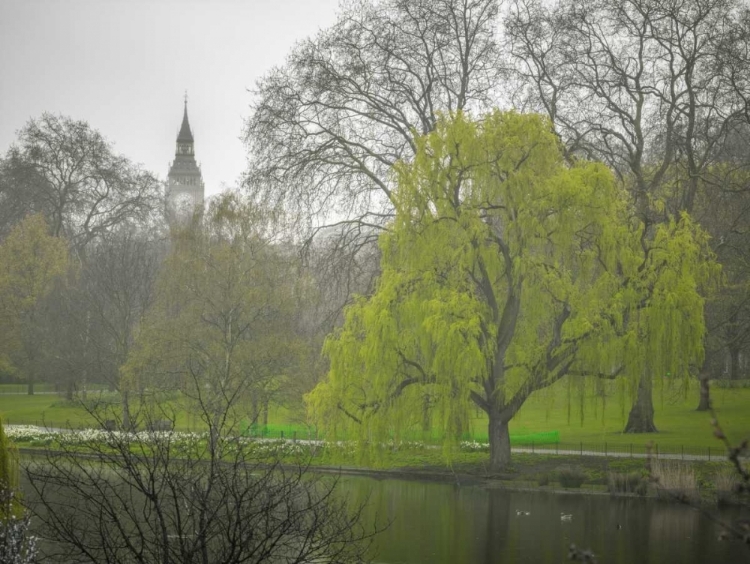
581, 448
709, 454
532, 447
631, 450
557, 445
605, 448
294, 436
682, 448
282, 433
657, 451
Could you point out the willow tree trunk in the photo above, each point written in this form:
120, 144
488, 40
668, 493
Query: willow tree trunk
499, 443
426, 417
704, 403
641, 417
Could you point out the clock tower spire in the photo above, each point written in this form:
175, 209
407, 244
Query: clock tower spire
185, 187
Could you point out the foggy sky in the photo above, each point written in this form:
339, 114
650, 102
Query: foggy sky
123, 66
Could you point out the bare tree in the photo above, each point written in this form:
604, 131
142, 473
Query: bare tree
96, 316
328, 125
69, 172
645, 86
723, 209
89, 195
152, 497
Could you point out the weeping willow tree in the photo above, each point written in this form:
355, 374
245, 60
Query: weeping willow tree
505, 270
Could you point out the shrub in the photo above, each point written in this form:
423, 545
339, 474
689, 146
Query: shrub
627, 482
571, 476
727, 484
675, 480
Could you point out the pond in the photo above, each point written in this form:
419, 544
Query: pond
435, 523
439, 523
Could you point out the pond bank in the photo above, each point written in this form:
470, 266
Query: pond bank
539, 473
593, 475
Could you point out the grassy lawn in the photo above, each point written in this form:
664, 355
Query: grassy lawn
678, 422
53, 410
50, 410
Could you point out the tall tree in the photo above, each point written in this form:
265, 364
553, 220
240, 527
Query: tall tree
32, 261
220, 325
92, 318
504, 271
644, 86
328, 125
723, 208
67, 171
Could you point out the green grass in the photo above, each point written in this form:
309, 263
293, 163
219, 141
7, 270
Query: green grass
53, 410
49, 410
547, 412
675, 416
40, 387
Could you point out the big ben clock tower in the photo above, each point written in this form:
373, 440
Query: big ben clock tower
184, 181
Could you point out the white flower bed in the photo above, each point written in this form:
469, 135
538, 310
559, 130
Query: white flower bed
474, 446
40, 436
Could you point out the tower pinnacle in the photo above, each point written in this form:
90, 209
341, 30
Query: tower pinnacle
185, 135
185, 182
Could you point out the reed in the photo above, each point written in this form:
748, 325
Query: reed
627, 483
726, 483
675, 480
571, 476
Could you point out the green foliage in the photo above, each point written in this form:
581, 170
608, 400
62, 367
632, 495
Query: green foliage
10, 505
8, 462
220, 327
32, 260
506, 269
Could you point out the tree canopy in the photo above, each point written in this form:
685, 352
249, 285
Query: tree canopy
219, 328
67, 171
32, 260
505, 270
657, 90
328, 125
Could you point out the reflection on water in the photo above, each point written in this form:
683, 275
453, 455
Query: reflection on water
442, 523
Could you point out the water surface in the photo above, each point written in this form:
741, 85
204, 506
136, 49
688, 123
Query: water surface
434, 523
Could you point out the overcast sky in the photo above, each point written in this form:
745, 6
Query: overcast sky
123, 66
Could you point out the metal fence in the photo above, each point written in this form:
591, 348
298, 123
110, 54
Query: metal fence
631, 450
